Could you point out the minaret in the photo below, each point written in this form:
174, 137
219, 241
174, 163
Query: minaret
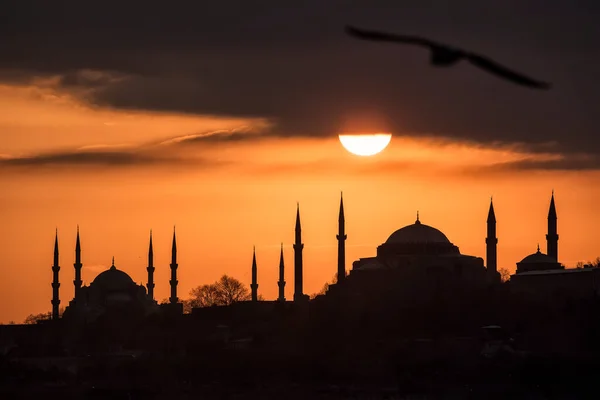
150, 270
491, 242
77, 265
173, 299
341, 238
55, 283
281, 282
552, 236
254, 285
298, 246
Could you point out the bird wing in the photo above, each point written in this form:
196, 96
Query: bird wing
504, 72
389, 37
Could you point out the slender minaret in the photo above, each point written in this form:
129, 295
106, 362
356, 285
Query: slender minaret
298, 246
552, 236
281, 282
173, 299
55, 283
491, 242
150, 270
341, 238
254, 284
77, 265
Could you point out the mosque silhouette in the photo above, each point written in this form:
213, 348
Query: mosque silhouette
413, 253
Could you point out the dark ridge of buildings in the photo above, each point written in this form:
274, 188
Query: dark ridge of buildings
417, 285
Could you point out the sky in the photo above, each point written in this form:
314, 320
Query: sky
218, 117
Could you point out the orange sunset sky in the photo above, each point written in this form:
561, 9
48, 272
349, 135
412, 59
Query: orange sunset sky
216, 118
226, 196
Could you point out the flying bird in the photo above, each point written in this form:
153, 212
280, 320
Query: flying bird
445, 56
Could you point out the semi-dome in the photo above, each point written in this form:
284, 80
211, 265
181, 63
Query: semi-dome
417, 233
112, 280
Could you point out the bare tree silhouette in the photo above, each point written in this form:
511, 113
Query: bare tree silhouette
325, 287
35, 318
504, 274
589, 264
225, 291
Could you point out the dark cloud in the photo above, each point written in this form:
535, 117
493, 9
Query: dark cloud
574, 163
100, 159
170, 152
292, 63
89, 158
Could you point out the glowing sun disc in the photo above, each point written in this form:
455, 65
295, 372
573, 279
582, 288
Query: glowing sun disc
365, 144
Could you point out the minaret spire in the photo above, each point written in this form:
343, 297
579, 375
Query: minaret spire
341, 238
77, 265
281, 282
150, 269
298, 246
491, 242
552, 236
254, 284
173, 299
55, 282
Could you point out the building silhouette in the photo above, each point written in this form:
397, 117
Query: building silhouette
281, 282
416, 251
254, 284
542, 274
417, 276
341, 238
299, 295
419, 298
113, 290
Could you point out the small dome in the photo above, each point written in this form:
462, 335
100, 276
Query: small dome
112, 280
418, 233
538, 258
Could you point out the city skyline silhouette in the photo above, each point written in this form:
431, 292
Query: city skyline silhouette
237, 124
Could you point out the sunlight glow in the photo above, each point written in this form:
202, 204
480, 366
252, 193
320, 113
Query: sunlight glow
365, 144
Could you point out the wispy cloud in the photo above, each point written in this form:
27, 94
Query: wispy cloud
577, 162
223, 135
277, 156
89, 158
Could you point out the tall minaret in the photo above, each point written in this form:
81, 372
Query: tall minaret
55, 283
281, 282
298, 246
341, 238
552, 236
150, 270
254, 285
491, 242
77, 282
173, 299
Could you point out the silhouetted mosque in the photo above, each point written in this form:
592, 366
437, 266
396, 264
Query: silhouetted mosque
417, 301
416, 254
113, 290
542, 273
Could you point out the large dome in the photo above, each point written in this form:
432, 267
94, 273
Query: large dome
113, 280
417, 233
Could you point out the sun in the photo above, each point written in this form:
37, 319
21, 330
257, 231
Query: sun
365, 144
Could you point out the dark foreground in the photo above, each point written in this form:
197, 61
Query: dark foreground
531, 378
